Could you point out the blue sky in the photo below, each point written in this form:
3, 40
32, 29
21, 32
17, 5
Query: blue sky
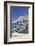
15, 12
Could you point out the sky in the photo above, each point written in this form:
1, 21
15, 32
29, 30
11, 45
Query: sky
15, 12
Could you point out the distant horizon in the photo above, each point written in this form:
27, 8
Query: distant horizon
18, 19
15, 12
